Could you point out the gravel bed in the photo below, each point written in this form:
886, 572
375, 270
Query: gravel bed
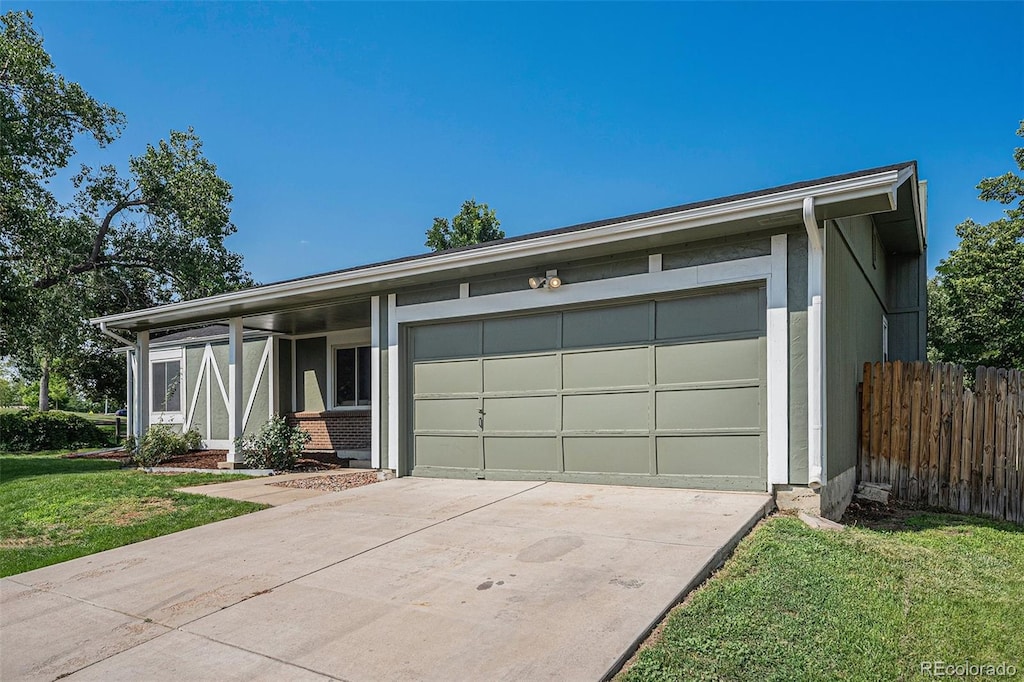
331, 482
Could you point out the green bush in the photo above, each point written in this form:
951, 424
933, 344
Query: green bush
160, 443
275, 446
29, 431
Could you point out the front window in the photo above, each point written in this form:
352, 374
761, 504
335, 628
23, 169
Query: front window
166, 388
352, 376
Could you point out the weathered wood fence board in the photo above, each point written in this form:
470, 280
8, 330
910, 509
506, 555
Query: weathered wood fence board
941, 444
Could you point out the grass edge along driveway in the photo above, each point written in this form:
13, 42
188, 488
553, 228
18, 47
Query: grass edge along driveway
54, 509
794, 603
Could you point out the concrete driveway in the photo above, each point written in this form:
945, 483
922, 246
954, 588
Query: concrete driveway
410, 579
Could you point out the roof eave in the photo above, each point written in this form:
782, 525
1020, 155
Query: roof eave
828, 196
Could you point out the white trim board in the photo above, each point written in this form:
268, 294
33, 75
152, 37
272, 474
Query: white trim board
771, 269
393, 397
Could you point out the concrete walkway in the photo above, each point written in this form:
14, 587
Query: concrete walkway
264, 491
410, 579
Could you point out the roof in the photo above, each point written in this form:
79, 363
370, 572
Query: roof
867, 191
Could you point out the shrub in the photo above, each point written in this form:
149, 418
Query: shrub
275, 446
28, 430
160, 443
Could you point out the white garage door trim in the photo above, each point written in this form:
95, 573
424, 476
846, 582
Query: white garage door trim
771, 269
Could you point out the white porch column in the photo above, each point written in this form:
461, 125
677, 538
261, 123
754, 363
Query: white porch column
375, 393
393, 400
236, 401
142, 404
129, 384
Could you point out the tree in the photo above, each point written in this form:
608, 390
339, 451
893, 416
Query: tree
152, 235
475, 224
976, 299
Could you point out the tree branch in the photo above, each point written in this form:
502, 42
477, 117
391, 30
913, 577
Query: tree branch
101, 236
89, 266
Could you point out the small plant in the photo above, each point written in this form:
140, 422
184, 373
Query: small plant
275, 446
159, 443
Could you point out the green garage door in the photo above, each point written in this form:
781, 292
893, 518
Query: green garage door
666, 392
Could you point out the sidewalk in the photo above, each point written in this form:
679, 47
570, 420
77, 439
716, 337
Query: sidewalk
264, 491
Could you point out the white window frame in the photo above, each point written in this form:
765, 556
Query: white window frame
157, 357
352, 338
885, 339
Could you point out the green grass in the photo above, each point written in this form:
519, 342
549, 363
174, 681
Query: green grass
797, 604
54, 509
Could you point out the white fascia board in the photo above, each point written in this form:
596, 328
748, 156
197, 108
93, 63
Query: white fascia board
750, 207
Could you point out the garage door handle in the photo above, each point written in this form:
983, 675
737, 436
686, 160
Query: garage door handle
481, 420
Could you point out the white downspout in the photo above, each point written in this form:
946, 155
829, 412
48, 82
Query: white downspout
815, 347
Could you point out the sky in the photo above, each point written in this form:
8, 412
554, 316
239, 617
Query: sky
344, 129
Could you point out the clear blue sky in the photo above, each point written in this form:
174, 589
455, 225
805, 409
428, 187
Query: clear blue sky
345, 128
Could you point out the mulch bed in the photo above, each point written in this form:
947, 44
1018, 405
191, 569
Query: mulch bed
106, 454
332, 482
208, 459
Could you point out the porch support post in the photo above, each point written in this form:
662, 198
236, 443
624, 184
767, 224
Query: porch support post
236, 401
142, 384
393, 401
375, 376
778, 365
129, 383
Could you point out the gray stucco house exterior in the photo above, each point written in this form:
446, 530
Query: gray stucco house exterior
711, 345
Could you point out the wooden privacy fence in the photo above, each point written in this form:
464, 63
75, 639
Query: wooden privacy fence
941, 444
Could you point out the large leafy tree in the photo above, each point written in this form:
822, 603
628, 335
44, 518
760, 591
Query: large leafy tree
976, 299
151, 235
474, 224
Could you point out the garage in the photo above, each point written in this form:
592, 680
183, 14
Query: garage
661, 392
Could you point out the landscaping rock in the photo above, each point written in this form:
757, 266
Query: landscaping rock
873, 492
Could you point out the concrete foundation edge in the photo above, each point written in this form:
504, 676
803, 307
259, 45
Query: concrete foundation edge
830, 501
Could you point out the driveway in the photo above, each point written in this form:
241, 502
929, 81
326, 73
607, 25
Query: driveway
410, 579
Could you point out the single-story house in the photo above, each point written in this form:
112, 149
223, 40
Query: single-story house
716, 344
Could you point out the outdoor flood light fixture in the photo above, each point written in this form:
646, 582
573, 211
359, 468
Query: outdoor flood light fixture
551, 282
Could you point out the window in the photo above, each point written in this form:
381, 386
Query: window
352, 374
885, 339
165, 390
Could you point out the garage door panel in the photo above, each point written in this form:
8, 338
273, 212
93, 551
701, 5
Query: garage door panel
449, 340
447, 415
731, 312
521, 334
733, 360
521, 454
605, 412
721, 408
610, 454
462, 376
604, 368
530, 373
448, 451
535, 413
709, 455
606, 326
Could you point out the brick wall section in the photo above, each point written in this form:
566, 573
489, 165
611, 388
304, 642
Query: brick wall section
340, 430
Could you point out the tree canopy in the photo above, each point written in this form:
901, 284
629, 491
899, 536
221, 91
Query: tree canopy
474, 224
127, 240
976, 299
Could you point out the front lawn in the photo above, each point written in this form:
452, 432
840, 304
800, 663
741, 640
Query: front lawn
54, 509
797, 604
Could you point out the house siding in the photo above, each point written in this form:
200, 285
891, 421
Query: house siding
853, 332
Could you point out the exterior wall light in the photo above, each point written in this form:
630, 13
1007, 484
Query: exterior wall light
552, 282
